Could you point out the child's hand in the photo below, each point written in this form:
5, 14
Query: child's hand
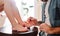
30, 22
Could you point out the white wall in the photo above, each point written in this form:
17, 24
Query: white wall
21, 4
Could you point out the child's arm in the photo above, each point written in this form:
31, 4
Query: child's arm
16, 12
9, 12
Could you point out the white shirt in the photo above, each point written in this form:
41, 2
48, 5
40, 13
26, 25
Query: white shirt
7, 28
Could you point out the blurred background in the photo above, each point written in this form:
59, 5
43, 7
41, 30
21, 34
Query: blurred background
27, 8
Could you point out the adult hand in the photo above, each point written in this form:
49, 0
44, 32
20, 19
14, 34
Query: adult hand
46, 28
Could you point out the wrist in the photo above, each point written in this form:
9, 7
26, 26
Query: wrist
51, 31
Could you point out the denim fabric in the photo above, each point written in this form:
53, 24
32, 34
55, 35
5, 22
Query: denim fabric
54, 14
43, 17
51, 11
43, 11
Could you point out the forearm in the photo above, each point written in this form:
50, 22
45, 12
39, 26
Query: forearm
8, 10
17, 16
56, 30
16, 12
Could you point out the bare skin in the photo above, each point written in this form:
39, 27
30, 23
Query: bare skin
49, 30
13, 15
30, 22
46, 28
